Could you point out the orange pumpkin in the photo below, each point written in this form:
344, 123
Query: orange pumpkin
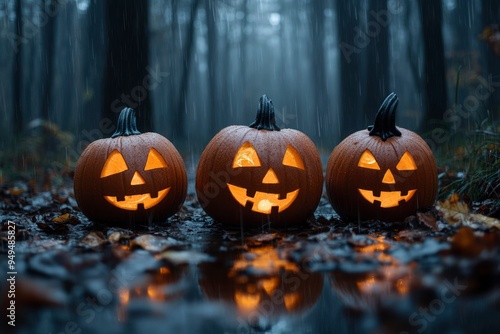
258, 174
383, 172
130, 177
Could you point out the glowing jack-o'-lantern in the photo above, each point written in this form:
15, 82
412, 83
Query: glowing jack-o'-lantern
383, 172
261, 286
258, 174
130, 177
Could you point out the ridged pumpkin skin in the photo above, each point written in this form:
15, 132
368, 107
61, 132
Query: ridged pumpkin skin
264, 188
350, 185
92, 185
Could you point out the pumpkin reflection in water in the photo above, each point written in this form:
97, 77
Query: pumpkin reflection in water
161, 285
365, 291
262, 286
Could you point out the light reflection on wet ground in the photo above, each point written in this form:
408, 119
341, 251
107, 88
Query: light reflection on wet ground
193, 276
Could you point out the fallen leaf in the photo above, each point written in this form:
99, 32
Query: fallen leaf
117, 236
16, 191
93, 239
62, 219
153, 243
453, 203
454, 211
428, 220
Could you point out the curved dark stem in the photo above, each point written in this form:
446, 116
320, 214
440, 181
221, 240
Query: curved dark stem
385, 120
126, 124
265, 116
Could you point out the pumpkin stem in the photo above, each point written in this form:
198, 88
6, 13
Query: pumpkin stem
126, 124
385, 120
265, 116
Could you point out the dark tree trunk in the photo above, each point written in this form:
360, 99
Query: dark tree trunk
351, 114
16, 77
93, 49
491, 16
128, 79
47, 82
318, 65
245, 93
435, 99
49, 36
180, 111
212, 66
175, 90
376, 83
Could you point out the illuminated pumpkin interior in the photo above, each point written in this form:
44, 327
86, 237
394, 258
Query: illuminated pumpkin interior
387, 199
292, 158
116, 164
263, 202
246, 157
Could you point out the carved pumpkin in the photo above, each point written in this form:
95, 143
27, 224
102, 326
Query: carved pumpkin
383, 172
130, 177
258, 174
261, 285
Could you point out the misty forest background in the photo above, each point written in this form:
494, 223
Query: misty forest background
192, 67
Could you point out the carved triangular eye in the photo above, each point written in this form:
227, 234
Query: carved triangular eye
292, 158
114, 164
367, 160
406, 162
155, 160
246, 157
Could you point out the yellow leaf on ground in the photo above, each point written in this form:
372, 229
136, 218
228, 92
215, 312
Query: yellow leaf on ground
453, 211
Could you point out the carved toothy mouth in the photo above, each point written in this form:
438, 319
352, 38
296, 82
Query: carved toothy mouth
131, 202
263, 202
387, 199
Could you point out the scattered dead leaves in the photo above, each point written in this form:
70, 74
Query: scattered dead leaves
455, 211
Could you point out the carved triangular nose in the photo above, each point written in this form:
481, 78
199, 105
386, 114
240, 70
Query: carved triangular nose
137, 179
388, 178
270, 177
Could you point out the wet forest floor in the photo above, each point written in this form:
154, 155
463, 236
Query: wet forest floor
436, 272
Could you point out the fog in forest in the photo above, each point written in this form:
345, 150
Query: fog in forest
190, 68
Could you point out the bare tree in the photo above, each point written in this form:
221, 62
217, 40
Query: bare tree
180, 111
351, 115
49, 36
491, 19
16, 76
318, 65
376, 80
210, 13
435, 99
127, 61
